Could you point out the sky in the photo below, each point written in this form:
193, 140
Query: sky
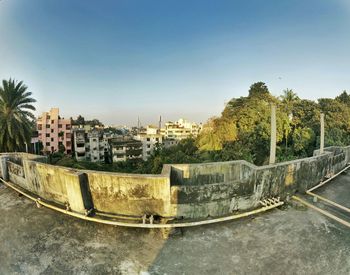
119, 60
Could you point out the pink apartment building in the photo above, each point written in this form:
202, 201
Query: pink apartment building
54, 130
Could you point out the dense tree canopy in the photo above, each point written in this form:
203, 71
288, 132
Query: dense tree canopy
15, 116
248, 131
243, 132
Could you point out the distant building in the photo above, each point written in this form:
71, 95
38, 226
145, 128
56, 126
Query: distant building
85, 127
90, 145
35, 145
125, 148
181, 129
54, 131
79, 144
170, 142
97, 146
149, 139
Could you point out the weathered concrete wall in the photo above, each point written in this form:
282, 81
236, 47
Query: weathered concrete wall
182, 191
211, 189
206, 173
129, 194
16, 173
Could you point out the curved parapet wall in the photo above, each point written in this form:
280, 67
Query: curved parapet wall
182, 191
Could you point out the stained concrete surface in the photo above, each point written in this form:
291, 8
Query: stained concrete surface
294, 240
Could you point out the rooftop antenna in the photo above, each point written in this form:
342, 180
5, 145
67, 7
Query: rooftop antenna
160, 122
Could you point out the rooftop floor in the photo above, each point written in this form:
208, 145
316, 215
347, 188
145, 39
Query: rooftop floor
292, 240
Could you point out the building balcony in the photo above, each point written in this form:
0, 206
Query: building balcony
80, 149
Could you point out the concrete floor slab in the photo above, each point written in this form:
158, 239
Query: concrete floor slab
288, 241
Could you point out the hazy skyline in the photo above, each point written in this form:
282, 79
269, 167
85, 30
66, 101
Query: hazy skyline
117, 60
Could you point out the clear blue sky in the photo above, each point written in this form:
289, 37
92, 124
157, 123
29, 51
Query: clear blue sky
116, 60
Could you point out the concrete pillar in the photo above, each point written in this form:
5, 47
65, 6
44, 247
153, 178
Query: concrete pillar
273, 135
322, 134
3, 168
78, 193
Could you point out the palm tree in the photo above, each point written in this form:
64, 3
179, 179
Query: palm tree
15, 116
289, 98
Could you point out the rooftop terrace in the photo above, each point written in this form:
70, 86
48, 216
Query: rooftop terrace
291, 240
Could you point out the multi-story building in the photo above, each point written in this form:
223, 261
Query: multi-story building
85, 127
79, 143
125, 148
170, 142
91, 146
149, 139
54, 131
97, 146
181, 129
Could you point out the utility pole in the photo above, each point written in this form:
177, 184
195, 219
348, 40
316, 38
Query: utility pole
322, 134
273, 135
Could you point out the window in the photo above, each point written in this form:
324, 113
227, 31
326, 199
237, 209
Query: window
47, 143
157, 139
47, 126
47, 135
148, 139
148, 146
52, 121
51, 139
51, 130
59, 125
40, 127
68, 126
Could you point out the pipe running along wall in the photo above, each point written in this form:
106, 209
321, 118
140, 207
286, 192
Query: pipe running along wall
181, 192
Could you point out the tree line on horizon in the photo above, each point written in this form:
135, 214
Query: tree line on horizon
242, 131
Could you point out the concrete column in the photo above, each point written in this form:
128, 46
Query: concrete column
3, 168
273, 135
79, 197
322, 134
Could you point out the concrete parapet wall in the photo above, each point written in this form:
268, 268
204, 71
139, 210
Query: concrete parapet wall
129, 194
189, 191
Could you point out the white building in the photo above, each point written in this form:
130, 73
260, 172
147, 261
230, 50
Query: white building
125, 148
150, 138
181, 129
91, 146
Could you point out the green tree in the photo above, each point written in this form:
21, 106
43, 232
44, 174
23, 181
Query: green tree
344, 97
216, 132
289, 98
79, 121
15, 116
258, 89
